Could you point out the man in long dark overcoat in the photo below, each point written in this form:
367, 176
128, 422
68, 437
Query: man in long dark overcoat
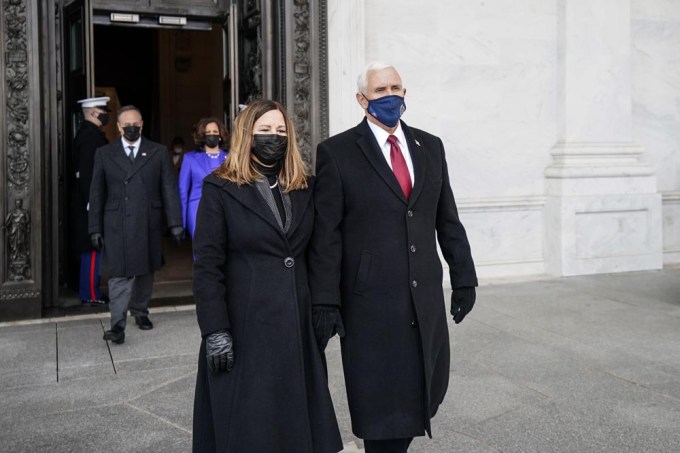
88, 138
383, 199
133, 186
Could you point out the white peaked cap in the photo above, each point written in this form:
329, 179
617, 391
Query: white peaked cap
94, 102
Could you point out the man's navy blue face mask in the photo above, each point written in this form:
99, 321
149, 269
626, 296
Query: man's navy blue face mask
387, 109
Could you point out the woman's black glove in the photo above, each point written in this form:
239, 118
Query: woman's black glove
219, 350
462, 301
327, 322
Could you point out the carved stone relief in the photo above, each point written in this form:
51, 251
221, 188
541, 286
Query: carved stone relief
309, 74
16, 79
14, 294
301, 77
16, 225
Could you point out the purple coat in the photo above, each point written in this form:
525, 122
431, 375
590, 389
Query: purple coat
196, 165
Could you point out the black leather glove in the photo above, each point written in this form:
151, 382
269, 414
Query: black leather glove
462, 301
219, 350
97, 241
327, 322
177, 233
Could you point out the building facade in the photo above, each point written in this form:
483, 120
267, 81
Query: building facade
560, 117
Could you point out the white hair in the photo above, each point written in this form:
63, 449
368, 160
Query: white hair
362, 81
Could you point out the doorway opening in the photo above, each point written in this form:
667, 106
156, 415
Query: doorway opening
175, 77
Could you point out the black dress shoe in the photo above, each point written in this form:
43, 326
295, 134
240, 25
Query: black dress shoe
144, 322
115, 335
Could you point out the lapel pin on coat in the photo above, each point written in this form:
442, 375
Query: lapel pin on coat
417, 142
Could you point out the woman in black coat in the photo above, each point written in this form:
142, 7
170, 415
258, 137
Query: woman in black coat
261, 384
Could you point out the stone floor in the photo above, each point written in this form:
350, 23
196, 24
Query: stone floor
578, 364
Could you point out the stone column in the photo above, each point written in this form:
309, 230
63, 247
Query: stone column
346, 59
603, 212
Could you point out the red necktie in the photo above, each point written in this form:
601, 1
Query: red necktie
399, 166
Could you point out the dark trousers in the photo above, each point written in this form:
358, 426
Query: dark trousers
89, 276
387, 445
131, 293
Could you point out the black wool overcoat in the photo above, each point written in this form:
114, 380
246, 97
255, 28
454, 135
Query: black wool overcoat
251, 278
127, 204
88, 138
375, 254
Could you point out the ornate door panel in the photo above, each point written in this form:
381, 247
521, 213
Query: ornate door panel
20, 159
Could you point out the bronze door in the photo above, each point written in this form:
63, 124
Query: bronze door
78, 81
237, 45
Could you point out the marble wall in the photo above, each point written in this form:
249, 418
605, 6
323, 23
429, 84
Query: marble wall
485, 76
655, 36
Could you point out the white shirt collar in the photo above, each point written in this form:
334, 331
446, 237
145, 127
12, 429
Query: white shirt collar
126, 145
381, 134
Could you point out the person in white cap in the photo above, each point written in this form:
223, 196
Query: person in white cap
88, 138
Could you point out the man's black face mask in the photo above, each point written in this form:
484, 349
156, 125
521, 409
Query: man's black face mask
131, 133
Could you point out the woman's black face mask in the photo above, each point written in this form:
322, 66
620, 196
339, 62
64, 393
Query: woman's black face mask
211, 141
270, 149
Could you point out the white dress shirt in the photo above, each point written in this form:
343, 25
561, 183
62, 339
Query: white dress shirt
135, 145
381, 136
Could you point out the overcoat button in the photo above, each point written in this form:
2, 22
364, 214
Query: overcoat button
413, 249
413, 324
414, 283
126, 181
409, 213
289, 262
126, 198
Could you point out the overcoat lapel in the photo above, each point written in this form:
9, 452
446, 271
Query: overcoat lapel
369, 146
418, 157
119, 156
248, 196
144, 154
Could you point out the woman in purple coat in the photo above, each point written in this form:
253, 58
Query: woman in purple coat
210, 135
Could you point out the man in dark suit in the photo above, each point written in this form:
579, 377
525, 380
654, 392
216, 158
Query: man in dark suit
88, 138
382, 197
133, 185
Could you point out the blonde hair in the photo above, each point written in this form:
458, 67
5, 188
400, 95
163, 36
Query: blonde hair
239, 167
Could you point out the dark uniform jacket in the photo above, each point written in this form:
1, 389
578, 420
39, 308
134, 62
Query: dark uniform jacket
88, 138
251, 278
127, 204
375, 254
